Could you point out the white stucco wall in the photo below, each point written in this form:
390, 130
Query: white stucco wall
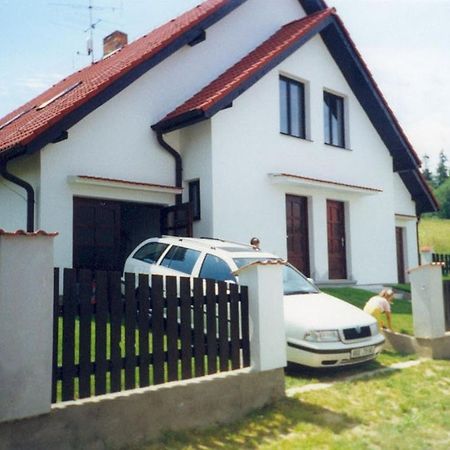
13, 198
247, 146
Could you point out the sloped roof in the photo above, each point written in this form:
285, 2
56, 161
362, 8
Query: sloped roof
32, 125
232, 83
227, 87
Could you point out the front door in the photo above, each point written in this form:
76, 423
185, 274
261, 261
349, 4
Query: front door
400, 254
297, 232
337, 258
96, 234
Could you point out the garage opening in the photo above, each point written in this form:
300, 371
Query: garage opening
106, 231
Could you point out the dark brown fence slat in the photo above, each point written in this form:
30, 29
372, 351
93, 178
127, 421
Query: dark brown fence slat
144, 326
68, 357
234, 317
199, 331
186, 328
116, 315
130, 331
245, 326
101, 315
157, 306
211, 327
172, 328
85, 286
55, 333
224, 351
447, 304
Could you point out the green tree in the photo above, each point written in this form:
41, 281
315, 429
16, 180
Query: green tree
443, 196
426, 171
442, 170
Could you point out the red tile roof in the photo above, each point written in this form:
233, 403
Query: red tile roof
26, 233
23, 125
234, 77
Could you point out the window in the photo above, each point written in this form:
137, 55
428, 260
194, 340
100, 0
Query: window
216, 268
333, 117
292, 108
181, 259
194, 198
151, 252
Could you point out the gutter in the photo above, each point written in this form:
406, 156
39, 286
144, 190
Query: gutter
178, 164
30, 194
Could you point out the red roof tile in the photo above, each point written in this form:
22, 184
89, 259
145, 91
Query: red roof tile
24, 124
26, 233
249, 65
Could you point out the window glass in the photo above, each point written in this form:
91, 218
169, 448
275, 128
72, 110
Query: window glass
333, 119
150, 252
194, 198
181, 259
292, 107
216, 268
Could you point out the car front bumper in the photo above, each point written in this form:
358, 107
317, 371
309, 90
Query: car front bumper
332, 354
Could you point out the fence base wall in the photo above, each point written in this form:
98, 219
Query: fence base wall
116, 421
435, 348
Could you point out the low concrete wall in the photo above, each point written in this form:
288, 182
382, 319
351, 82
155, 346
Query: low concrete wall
436, 348
119, 420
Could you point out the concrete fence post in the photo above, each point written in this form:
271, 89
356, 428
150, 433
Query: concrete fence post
426, 255
427, 296
265, 292
26, 323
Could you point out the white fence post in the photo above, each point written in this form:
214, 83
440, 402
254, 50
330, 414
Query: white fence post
427, 296
265, 297
26, 323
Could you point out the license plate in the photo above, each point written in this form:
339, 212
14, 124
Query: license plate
363, 351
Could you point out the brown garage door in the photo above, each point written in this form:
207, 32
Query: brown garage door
297, 232
337, 260
96, 234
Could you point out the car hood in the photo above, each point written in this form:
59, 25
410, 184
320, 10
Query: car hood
321, 312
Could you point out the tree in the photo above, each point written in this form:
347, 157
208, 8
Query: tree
426, 171
443, 196
442, 170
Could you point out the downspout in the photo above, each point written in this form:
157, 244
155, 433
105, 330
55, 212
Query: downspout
178, 164
30, 194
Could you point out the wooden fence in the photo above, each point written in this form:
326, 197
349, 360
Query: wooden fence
109, 337
443, 258
447, 304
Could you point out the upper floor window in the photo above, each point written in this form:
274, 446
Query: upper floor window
333, 118
292, 108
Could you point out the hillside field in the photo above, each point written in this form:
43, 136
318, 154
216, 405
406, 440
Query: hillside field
435, 233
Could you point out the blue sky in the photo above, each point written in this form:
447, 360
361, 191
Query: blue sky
404, 43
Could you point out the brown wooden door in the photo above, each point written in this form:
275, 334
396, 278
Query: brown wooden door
400, 254
337, 258
297, 232
177, 220
96, 234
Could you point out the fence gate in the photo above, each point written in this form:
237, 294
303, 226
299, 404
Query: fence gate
447, 304
111, 336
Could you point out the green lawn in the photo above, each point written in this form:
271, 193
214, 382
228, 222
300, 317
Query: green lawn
404, 409
401, 309
435, 233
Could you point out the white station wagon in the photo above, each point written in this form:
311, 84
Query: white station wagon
321, 330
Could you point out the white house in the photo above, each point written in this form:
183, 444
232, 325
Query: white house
261, 113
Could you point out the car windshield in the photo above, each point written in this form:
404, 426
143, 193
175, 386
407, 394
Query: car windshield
294, 282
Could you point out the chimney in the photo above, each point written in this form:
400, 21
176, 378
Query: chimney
113, 42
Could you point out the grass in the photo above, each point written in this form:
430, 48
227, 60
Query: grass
401, 309
435, 233
405, 409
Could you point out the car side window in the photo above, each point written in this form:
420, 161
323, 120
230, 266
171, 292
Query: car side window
150, 252
181, 259
216, 268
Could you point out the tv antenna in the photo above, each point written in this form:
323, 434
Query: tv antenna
92, 22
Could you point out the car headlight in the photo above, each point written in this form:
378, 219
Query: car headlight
374, 330
322, 336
